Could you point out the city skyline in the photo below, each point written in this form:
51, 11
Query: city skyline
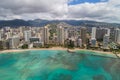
59, 35
96, 10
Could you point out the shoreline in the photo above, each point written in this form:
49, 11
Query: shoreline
21, 50
54, 48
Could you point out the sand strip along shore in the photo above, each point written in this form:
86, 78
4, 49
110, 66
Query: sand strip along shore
53, 48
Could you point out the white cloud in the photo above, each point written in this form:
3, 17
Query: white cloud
59, 9
102, 11
21, 7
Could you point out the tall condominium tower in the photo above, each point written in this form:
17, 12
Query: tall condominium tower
117, 35
0, 36
60, 35
14, 42
27, 35
83, 32
79, 42
93, 35
105, 41
66, 34
100, 32
108, 32
45, 35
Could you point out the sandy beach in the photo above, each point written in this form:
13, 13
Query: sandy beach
20, 50
53, 48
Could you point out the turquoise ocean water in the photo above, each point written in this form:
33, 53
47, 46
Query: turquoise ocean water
58, 65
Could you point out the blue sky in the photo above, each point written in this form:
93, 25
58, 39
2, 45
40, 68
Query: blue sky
74, 2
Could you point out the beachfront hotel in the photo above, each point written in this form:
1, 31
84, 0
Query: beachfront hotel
117, 35
106, 41
27, 35
83, 32
60, 35
93, 37
45, 35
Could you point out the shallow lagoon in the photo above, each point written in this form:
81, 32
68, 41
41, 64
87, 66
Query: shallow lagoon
58, 65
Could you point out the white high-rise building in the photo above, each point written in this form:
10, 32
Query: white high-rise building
117, 35
14, 42
0, 36
93, 35
60, 35
93, 42
105, 41
118, 38
108, 32
45, 35
27, 35
79, 42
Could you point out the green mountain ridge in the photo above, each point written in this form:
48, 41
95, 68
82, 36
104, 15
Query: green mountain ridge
41, 22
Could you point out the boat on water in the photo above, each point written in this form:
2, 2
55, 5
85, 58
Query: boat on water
70, 51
